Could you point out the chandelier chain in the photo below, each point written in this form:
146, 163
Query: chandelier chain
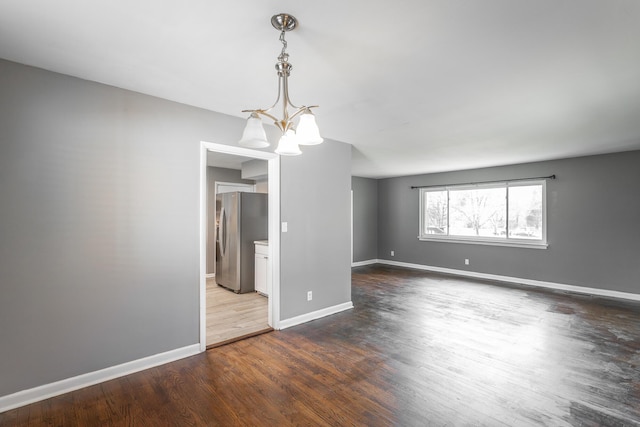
284, 56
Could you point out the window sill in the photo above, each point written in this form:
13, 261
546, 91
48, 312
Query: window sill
510, 243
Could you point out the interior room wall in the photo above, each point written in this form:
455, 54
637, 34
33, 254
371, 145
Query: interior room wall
216, 174
316, 204
593, 211
365, 218
99, 225
255, 169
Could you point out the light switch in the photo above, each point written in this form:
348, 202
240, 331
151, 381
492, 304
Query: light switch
284, 227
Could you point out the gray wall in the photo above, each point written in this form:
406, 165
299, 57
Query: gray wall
319, 223
220, 175
365, 218
99, 225
255, 169
593, 224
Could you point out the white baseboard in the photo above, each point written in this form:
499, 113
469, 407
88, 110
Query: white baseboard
287, 323
518, 280
367, 262
210, 275
46, 391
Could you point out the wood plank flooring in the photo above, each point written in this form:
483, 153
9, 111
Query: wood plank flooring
232, 316
418, 349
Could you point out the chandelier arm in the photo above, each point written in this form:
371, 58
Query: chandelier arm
285, 97
264, 113
283, 125
286, 100
301, 110
278, 98
285, 92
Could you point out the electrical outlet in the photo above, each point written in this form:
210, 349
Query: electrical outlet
466, 261
309, 296
285, 227
393, 253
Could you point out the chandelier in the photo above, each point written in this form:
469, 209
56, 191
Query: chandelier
306, 132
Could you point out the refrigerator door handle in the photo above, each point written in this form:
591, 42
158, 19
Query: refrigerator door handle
223, 232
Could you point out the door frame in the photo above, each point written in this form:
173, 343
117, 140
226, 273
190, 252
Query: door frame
273, 161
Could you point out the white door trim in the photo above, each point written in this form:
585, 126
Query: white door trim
274, 229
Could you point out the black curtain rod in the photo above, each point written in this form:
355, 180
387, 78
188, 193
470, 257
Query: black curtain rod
413, 187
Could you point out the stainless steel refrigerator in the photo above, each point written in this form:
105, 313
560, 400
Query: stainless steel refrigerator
242, 220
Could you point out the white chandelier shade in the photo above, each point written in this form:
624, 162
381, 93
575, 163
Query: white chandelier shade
307, 131
254, 135
288, 144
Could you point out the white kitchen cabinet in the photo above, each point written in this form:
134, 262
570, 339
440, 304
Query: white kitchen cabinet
262, 275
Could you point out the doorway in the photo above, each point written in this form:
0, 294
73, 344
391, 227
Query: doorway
235, 310
273, 161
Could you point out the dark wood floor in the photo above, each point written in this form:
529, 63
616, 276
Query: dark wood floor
418, 349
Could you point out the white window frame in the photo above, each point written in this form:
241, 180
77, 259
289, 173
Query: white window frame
483, 240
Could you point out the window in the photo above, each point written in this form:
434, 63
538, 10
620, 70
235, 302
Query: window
509, 213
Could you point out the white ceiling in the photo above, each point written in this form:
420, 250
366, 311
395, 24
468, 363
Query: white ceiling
414, 85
